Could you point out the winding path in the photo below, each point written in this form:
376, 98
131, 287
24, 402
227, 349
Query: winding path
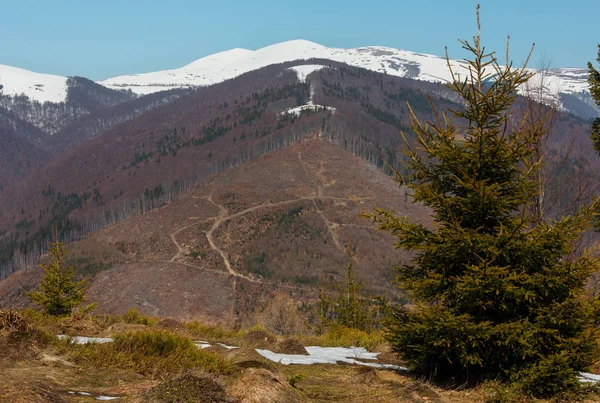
319, 195
224, 216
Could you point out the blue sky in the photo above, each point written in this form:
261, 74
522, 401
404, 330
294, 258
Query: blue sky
103, 38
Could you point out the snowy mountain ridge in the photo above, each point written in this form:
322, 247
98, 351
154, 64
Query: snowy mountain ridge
221, 66
37, 86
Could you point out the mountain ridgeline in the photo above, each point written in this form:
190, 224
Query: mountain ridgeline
83, 97
147, 161
127, 155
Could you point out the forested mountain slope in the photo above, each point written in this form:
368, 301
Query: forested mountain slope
145, 162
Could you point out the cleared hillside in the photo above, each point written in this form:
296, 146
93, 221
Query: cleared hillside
283, 221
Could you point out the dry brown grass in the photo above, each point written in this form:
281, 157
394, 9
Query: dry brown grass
259, 339
360, 384
150, 352
244, 358
258, 385
171, 325
335, 336
80, 326
19, 337
189, 388
34, 392
13, 321
117, 328
289, 346
145, 366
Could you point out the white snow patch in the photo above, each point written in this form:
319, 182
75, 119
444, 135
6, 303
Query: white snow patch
586, 377
298, 109
309, 105
205, 344
202, 344
37, 86
85, 340
104, 398
329, 355
227, 347
304, 70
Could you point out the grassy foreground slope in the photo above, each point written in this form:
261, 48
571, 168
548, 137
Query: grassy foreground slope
155, 360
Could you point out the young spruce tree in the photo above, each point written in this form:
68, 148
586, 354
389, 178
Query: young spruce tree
57, 292
347, 308
496, 292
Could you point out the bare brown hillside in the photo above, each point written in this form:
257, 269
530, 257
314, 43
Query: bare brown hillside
282, 222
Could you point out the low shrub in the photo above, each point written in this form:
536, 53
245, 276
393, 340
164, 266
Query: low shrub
296, 377
549, 375
47, 323
80, 322
498, 392
281, 316
289, 346
132, 316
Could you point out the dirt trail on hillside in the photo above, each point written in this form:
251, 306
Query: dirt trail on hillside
221, 218
320, 188
320, 184
180, 249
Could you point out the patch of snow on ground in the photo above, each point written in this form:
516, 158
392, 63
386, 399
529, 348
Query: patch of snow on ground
104, 398
226, 346
298, 110
85, 340
202, 344
329, 355
205, 344
586, 377
304, 71
316, 355
309, 105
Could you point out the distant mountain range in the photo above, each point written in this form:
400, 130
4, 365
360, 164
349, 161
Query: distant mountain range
567, 87
231, 176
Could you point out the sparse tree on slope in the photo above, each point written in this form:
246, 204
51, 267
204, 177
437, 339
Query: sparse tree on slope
57, 292
347, 307
594, 80
497, 292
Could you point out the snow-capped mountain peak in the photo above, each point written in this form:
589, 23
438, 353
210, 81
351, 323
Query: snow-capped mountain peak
37, 86
228, 56
228, 64
224, 65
